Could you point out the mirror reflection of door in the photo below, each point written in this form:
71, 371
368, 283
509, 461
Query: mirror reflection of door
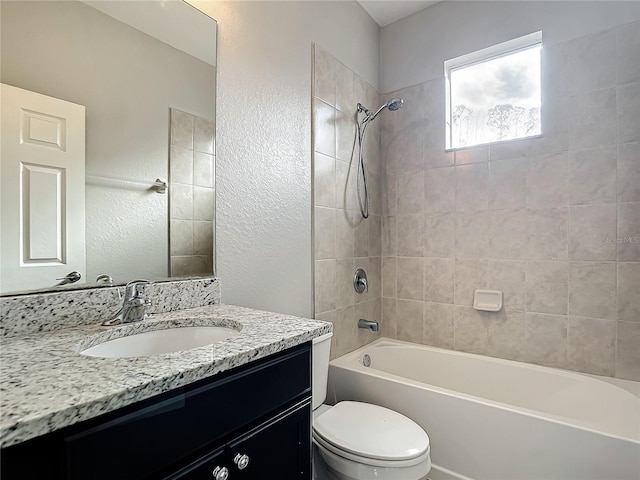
42, 160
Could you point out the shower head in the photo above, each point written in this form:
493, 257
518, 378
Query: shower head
393, 105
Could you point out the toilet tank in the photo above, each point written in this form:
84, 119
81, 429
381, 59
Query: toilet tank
320, 350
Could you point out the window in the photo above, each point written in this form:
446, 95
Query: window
494, 94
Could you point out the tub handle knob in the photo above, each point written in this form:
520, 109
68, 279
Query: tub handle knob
360, 282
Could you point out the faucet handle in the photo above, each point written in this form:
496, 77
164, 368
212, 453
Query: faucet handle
133, 288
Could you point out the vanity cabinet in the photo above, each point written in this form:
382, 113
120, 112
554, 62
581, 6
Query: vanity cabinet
258, 414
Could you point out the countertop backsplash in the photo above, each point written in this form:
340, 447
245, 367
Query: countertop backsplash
39, 312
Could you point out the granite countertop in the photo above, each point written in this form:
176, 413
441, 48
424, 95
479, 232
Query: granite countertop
46, 384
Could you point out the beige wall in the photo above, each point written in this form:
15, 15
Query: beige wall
527, 217
263, 158
343, 240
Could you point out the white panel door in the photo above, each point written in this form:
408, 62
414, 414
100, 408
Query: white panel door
41, 189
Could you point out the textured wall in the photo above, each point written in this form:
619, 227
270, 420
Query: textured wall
343, 240
263, 231
528, 217
412, 50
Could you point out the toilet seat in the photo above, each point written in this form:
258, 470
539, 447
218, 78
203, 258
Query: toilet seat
371, 435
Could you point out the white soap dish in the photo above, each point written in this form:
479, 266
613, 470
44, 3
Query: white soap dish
487, 300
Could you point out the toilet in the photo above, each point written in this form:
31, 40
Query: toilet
358, 441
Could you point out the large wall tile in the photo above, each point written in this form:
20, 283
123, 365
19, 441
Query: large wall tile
410, 235
629, 172
592, 121
470, 329
627, 52
325, 129
470, 275
507, 184
410, 282
508, 276
592, 289
547, 234
477, 154
324, 180
546, 287
472, 234
361, 236
325, 285
547, 178
405, 148
345, 235
325, 76
628, 351
389, 236
345, 294
410, 193
440, 190
389, 320
472, 182
346, 143
325, 233
629, 292
546, 339
203, 169
389, 276
438, 325
409, 314
440, 235
438, 279
592, 176
375, 235
590, 229
181, 165
505, 335
508, 234
591, 345
628, 239
629, 113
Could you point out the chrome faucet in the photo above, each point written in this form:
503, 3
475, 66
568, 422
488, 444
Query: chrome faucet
133, 304
370, 324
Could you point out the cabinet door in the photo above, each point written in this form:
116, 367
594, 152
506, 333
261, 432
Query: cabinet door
204, 468
279, 448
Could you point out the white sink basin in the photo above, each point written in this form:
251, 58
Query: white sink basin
160, 341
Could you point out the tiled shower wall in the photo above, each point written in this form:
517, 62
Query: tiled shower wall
191, 194
343, 240
553, 221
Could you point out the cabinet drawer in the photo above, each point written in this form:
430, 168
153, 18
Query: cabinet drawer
174, 427
279, 448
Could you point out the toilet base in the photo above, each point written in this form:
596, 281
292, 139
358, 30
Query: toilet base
323, 471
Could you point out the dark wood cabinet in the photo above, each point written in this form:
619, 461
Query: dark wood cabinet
263, 452
261, 410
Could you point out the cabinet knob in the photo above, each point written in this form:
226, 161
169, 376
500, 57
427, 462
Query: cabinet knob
220, 473
242, 461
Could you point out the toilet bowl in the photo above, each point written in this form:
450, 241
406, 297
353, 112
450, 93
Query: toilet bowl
358, 441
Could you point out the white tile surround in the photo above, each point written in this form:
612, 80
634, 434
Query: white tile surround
528, 217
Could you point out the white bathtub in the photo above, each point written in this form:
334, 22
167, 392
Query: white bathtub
493, 419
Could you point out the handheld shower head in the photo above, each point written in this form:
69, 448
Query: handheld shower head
393, 105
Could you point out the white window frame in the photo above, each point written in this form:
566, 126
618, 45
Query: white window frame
495, 51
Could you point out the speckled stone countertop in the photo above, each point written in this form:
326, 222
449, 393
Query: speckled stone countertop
46, 384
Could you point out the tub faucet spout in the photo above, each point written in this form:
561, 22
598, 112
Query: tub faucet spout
370, 324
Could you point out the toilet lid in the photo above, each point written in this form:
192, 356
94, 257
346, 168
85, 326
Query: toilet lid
371, 431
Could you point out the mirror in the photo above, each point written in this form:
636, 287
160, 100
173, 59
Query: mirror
145, 73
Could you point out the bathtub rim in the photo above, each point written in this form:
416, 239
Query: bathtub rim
351, 361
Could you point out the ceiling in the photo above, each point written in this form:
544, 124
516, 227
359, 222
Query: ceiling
385, 12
